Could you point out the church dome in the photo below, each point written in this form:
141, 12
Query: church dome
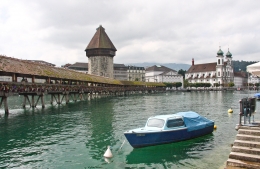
220, 52
228, 54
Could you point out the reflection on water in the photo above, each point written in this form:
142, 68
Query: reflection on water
76, 135
175, 153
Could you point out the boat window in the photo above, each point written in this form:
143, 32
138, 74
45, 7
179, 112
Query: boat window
175, 123
155, 123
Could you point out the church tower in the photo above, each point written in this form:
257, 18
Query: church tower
229, 67
220, 66
100, 52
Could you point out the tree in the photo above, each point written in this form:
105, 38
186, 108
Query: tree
231, 84
177, 84
170, 85
182, 72
186, 83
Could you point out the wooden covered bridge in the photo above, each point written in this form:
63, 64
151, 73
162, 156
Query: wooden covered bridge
34, 80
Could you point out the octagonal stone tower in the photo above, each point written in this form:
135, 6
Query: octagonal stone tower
100, 52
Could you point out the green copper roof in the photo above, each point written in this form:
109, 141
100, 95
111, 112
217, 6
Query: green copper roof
100, 40
220, 52
229, 54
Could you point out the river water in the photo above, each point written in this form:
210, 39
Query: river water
76, 135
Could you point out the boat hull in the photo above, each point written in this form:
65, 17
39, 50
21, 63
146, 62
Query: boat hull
144, 139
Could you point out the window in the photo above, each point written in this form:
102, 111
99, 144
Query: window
155, 123
175, 123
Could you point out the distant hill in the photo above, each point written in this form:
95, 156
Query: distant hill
241, 65
174, 66
237, 65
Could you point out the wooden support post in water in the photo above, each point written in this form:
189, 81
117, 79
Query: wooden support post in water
63, 95
37, 100
33, 105
4, 100
24, 101
51, 99
59, 102
6, 106
42, 100
74, 97
67, 98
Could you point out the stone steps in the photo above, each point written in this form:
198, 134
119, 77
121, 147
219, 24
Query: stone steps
245, 152
244, 143
248, 137
249, 132
251, 128
237, 164
244, 157
248, 150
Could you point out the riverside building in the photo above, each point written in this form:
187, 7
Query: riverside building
220, 72
135, 73
159, 73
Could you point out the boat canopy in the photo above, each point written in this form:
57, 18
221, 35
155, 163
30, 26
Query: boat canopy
194, 121
257, 95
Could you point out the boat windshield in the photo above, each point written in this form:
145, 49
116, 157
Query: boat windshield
175, 123
155, 123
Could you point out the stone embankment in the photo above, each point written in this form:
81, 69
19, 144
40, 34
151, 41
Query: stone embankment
245, 151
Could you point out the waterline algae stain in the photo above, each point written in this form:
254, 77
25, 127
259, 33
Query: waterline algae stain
75, 135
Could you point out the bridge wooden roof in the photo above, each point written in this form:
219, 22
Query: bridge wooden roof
24, 67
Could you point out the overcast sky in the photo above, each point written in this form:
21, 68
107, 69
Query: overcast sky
162, 31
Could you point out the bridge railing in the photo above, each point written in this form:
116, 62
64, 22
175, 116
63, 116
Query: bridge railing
17, 87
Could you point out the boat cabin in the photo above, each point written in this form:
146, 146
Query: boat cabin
164, 122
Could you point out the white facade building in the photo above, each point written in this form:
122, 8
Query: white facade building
253, 79
219, 72
240, 79
158, 73
136, 73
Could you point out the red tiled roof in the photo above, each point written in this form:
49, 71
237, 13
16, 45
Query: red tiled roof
202, 67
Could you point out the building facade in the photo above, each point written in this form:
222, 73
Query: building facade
120, 72
253, 79
79, 66
100, 52
240, 79
220, 72
158, 73
135, 73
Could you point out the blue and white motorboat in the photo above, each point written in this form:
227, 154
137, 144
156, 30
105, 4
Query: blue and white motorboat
257, 96
170, 128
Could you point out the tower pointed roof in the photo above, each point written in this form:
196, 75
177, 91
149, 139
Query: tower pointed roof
100, 41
